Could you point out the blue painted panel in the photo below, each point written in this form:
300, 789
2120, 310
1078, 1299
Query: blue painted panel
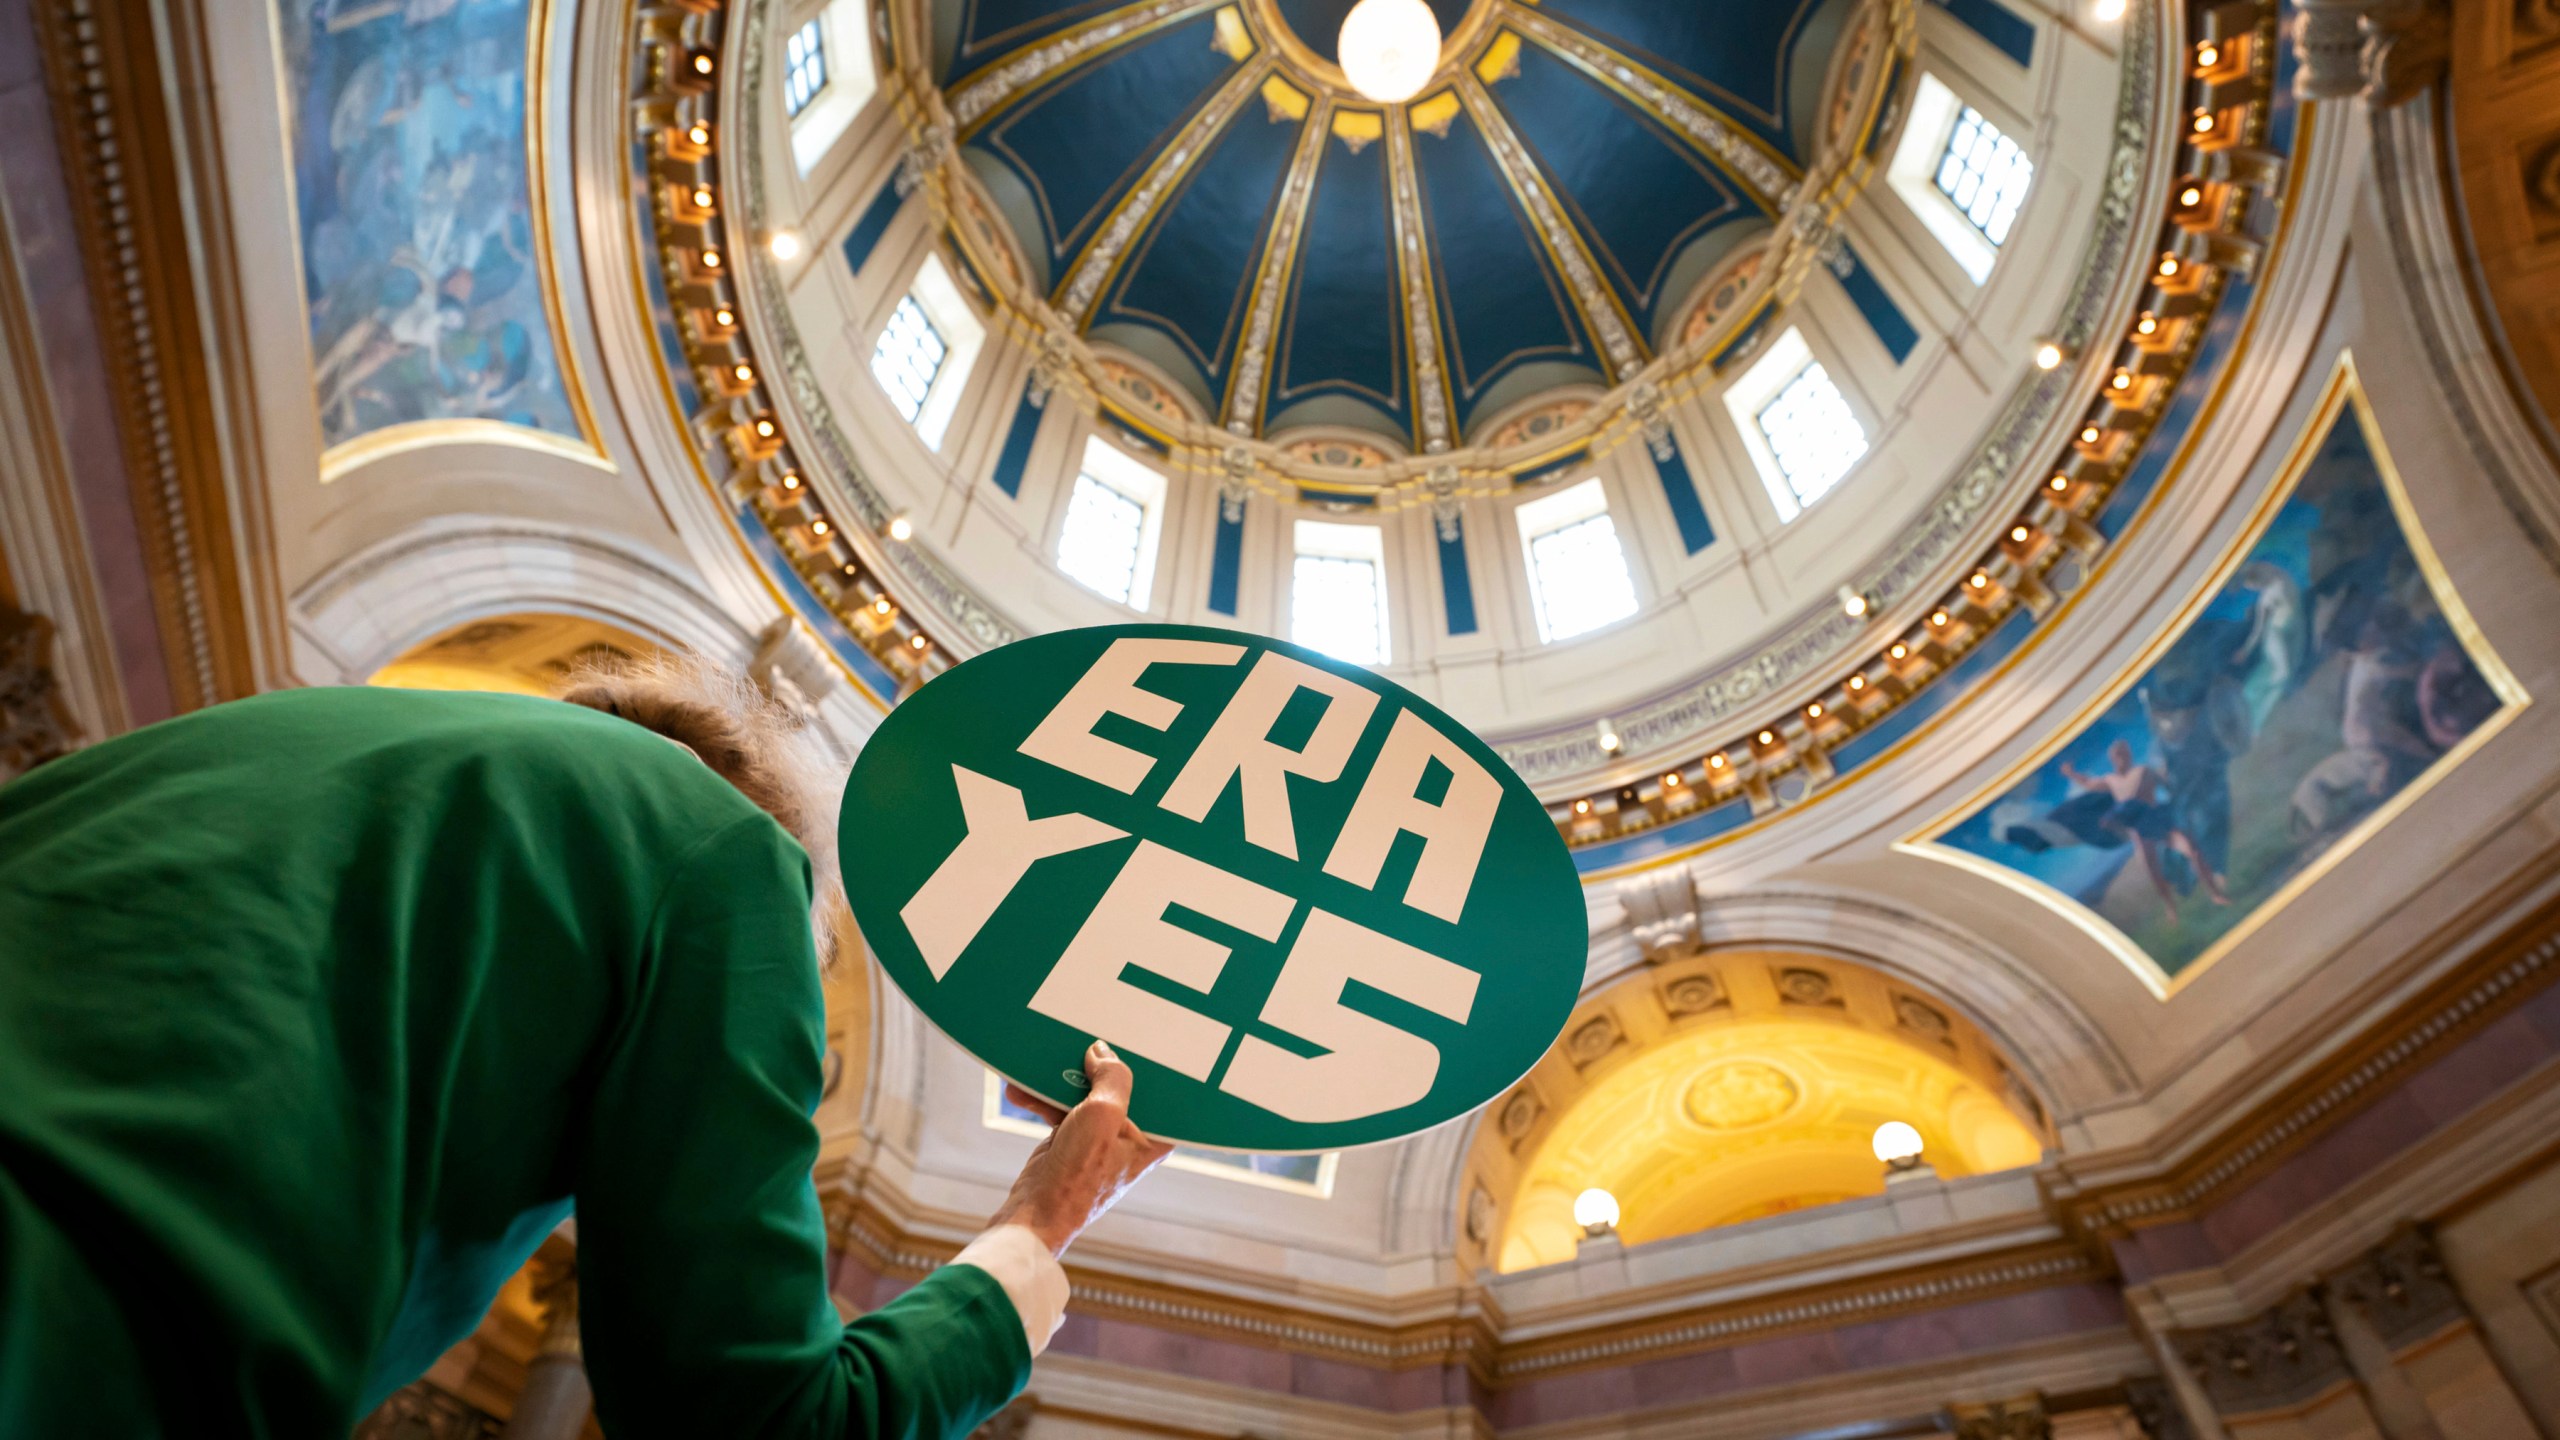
1501, 303
1734, 56
990, 29
1339, 334
866, 232
2003, 27
1084, 140
1883, 316
1226, 561
420, 271
1637, 192
1457, 591
1016, 455
1190, 277
1686, 509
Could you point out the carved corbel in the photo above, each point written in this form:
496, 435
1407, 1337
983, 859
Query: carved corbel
2381, 51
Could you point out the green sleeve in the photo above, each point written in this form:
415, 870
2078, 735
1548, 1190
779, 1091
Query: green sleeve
701, 1254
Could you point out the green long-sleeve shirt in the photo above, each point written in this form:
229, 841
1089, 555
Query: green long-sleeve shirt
318, 1010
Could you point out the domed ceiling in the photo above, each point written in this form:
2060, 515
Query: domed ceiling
1198, 185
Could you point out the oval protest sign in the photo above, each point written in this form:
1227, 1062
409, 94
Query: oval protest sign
1309, 909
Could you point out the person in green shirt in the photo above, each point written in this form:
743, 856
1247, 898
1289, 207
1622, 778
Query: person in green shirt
320, 1010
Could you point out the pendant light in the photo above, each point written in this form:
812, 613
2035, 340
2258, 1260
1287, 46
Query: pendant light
1390, 48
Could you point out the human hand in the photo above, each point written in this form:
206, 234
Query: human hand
1087, 1162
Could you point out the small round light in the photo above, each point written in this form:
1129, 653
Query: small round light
2123, 380
2060, 482
852, 569
1938, 619
1896, 1142
1595, 1210
901, 529
919, 642
746, 373
790, 482
701, 64
2048, 356
881, 606
2204, 122
2108, 10
1767, 738
710, 259
2207, 55
2191, 196
1715, 762
725, 316
765, 428
2149, 324
1581, 807
2168, 265
1979, 580
1899, 650
1671, 781
1814, 710
701, 198
700, 134
818, 527
2090, 434
1857, 682
785, 244
1852, 603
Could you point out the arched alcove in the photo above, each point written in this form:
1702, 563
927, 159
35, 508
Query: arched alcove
1724, 1088
526, 653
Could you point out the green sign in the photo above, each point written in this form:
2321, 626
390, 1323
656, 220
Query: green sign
1309, 909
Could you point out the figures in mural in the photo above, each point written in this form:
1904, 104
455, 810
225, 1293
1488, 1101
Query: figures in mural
2320, 681
416, 207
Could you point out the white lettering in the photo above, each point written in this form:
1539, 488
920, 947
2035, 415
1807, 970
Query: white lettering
1239, 745
1453, 831
1084, 990
1065, 737
1001, 845
1372, 1067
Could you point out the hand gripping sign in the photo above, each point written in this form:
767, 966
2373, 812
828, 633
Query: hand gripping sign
1310, 909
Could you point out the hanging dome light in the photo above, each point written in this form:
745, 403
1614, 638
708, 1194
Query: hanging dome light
1390, 48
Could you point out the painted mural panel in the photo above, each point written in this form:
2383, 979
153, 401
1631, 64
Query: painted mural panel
422, 248
2329, 675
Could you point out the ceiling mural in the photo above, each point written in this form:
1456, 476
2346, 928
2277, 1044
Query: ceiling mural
2324, 682
1205, 190
418, 209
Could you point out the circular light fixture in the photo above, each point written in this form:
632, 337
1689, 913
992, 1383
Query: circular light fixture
1389, 48
724, 317
1581, 807
919, 642
2060, 482
2108, 9
1609, 741
790, 482
901, 529
2048, 355
710, 259
1857, 682
700, 134
2192, 196
881, 606
1596, 1211
1671, 781
785, 244
2207, 55
818, 527
1897, 1144
1853, 603
2018, 534
1813, 711
1715, 762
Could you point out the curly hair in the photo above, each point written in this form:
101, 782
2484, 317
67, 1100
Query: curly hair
746, 738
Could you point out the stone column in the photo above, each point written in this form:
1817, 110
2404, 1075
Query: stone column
2281, 1375
556, 1400
2423, 1345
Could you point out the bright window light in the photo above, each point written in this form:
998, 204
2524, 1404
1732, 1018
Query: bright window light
908, 357
1799, 428
1962, 177
1578, 578
804, 67
1985, 174
925, 352
1338, 593
824, 94
1115, 513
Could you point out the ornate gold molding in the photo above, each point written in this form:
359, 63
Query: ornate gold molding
103, 62
34, 725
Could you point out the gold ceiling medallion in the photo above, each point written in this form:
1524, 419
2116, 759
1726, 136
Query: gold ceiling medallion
1740, 1094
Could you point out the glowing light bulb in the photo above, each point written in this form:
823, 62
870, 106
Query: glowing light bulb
1389, 48
1813, 711
2191, 197
919, 642
725, 316
1896, 1143
1715, 762
1581, 807
901, 529
785, 244
700, 134
1671, 781
1857, 682
2018, 534
702, 198
2147, 325
2109, 10
2208, 56
1852, 603
881, 606
818, 527
1595, 1210
1609, 741
2060, 482
2048, 355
